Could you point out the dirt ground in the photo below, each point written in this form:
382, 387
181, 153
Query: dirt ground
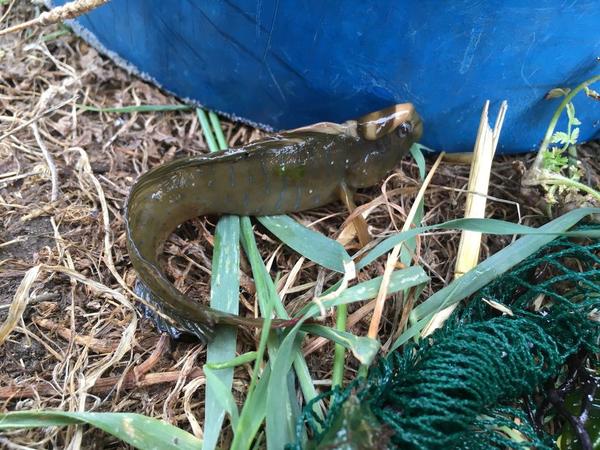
81, 344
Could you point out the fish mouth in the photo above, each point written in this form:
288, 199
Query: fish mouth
417, 127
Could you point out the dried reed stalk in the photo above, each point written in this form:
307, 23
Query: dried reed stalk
479, 180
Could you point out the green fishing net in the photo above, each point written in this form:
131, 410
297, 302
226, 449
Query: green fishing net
487, 379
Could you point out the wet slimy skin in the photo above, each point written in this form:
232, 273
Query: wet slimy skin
286, 172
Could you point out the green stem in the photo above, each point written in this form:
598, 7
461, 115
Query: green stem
216, 125
237, 361
363, 371
552, 125
339, 358
557, 179
206, 130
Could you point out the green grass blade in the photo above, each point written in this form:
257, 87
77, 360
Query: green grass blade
56, 34
305, 380
339, 357
488, 226
400, 279
253, 413
216, 125
220, 391
263, 282
409, 248
207, 130
417, 154
136, 108
280, 429
364, 348
224, 296
263, 279
144, 433
306, 383
314, 246
254, 409
492, 267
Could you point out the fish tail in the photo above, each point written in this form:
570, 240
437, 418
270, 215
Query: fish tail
251, 322
150, 310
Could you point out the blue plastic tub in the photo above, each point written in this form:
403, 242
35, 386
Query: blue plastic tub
287, 63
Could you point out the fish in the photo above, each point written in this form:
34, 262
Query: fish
284, 172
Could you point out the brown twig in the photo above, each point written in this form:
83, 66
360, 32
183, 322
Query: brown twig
150, 362
94, 344
68, 11
102, 386
49, 162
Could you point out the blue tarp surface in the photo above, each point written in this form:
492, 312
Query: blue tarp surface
286, 63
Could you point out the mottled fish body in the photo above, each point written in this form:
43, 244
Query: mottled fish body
286, 172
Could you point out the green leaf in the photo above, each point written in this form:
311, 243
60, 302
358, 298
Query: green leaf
144, 433
489, 226
574, 134
314, 246
56, 34
319, 249
560, 137
554, 160
280, 429
266, 301
495, 265
220, 392
224, 296
570, 112
417, 154
339, 356
266, 288
399, 280
362, 347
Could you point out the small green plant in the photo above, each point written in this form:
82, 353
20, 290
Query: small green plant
557, 169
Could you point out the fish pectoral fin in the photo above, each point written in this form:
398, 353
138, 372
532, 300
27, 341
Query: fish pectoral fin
360, 224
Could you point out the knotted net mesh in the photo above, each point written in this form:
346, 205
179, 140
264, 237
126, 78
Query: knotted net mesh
487, 379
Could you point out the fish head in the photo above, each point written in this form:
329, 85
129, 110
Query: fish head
400, 122
385, 137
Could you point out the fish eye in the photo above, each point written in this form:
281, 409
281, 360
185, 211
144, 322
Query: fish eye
404, 129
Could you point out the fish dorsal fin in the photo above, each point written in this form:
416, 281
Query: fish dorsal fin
348, 128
